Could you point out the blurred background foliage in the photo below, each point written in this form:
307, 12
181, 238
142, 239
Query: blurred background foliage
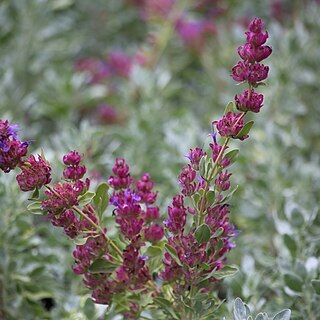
57, 83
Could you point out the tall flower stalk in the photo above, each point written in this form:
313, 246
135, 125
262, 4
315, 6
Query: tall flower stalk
175, 264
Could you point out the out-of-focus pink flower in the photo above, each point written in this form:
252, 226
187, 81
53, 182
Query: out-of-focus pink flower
107, 114
194, 33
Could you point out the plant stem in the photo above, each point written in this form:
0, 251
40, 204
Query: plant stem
84, 216
202, 205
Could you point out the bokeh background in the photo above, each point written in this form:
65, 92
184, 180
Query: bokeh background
144, 79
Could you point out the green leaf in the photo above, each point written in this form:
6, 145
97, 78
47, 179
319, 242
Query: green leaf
174, 254
80, 240
232, 155
229, 196
316, 285
290, 244
103, 266
154, 251
101, 198
229, 108
203, 233
245, 130
35, 207
35, 194
200, 297
217, 233
293, 281
240, 312
202, 166
86, 198
210, 197
283, 315
205, 266
166, 305
226, 271
261, 316
196, 197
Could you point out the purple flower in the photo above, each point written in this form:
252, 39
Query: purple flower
64, 196
122, 178
177, 215
230, 125
194, 33
222, 182
11, 149
254, 54
216, 149
186, 180
256, 25
74, 172
249, 102
119, 63
144, 187
35, 173
251, 72
73, 158
153, 233
195, 156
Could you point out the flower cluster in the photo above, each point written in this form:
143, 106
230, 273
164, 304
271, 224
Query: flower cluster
191, 252
35, 173
197, 250
12, 150
64, 195
250, 69
135, 213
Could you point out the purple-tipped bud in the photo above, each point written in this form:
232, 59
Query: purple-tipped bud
246, 102
35, 173
73, 158
256, 25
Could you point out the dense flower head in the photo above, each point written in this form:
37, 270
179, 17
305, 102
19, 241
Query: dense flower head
12, 150
244, 71
35, 173
249, 101
64, 196
122, 178
252, 52
144, 187
153, 233
73, 171
91, 250
72, 158
218, 217
230, 125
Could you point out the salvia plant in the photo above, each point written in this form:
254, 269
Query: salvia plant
165, 268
